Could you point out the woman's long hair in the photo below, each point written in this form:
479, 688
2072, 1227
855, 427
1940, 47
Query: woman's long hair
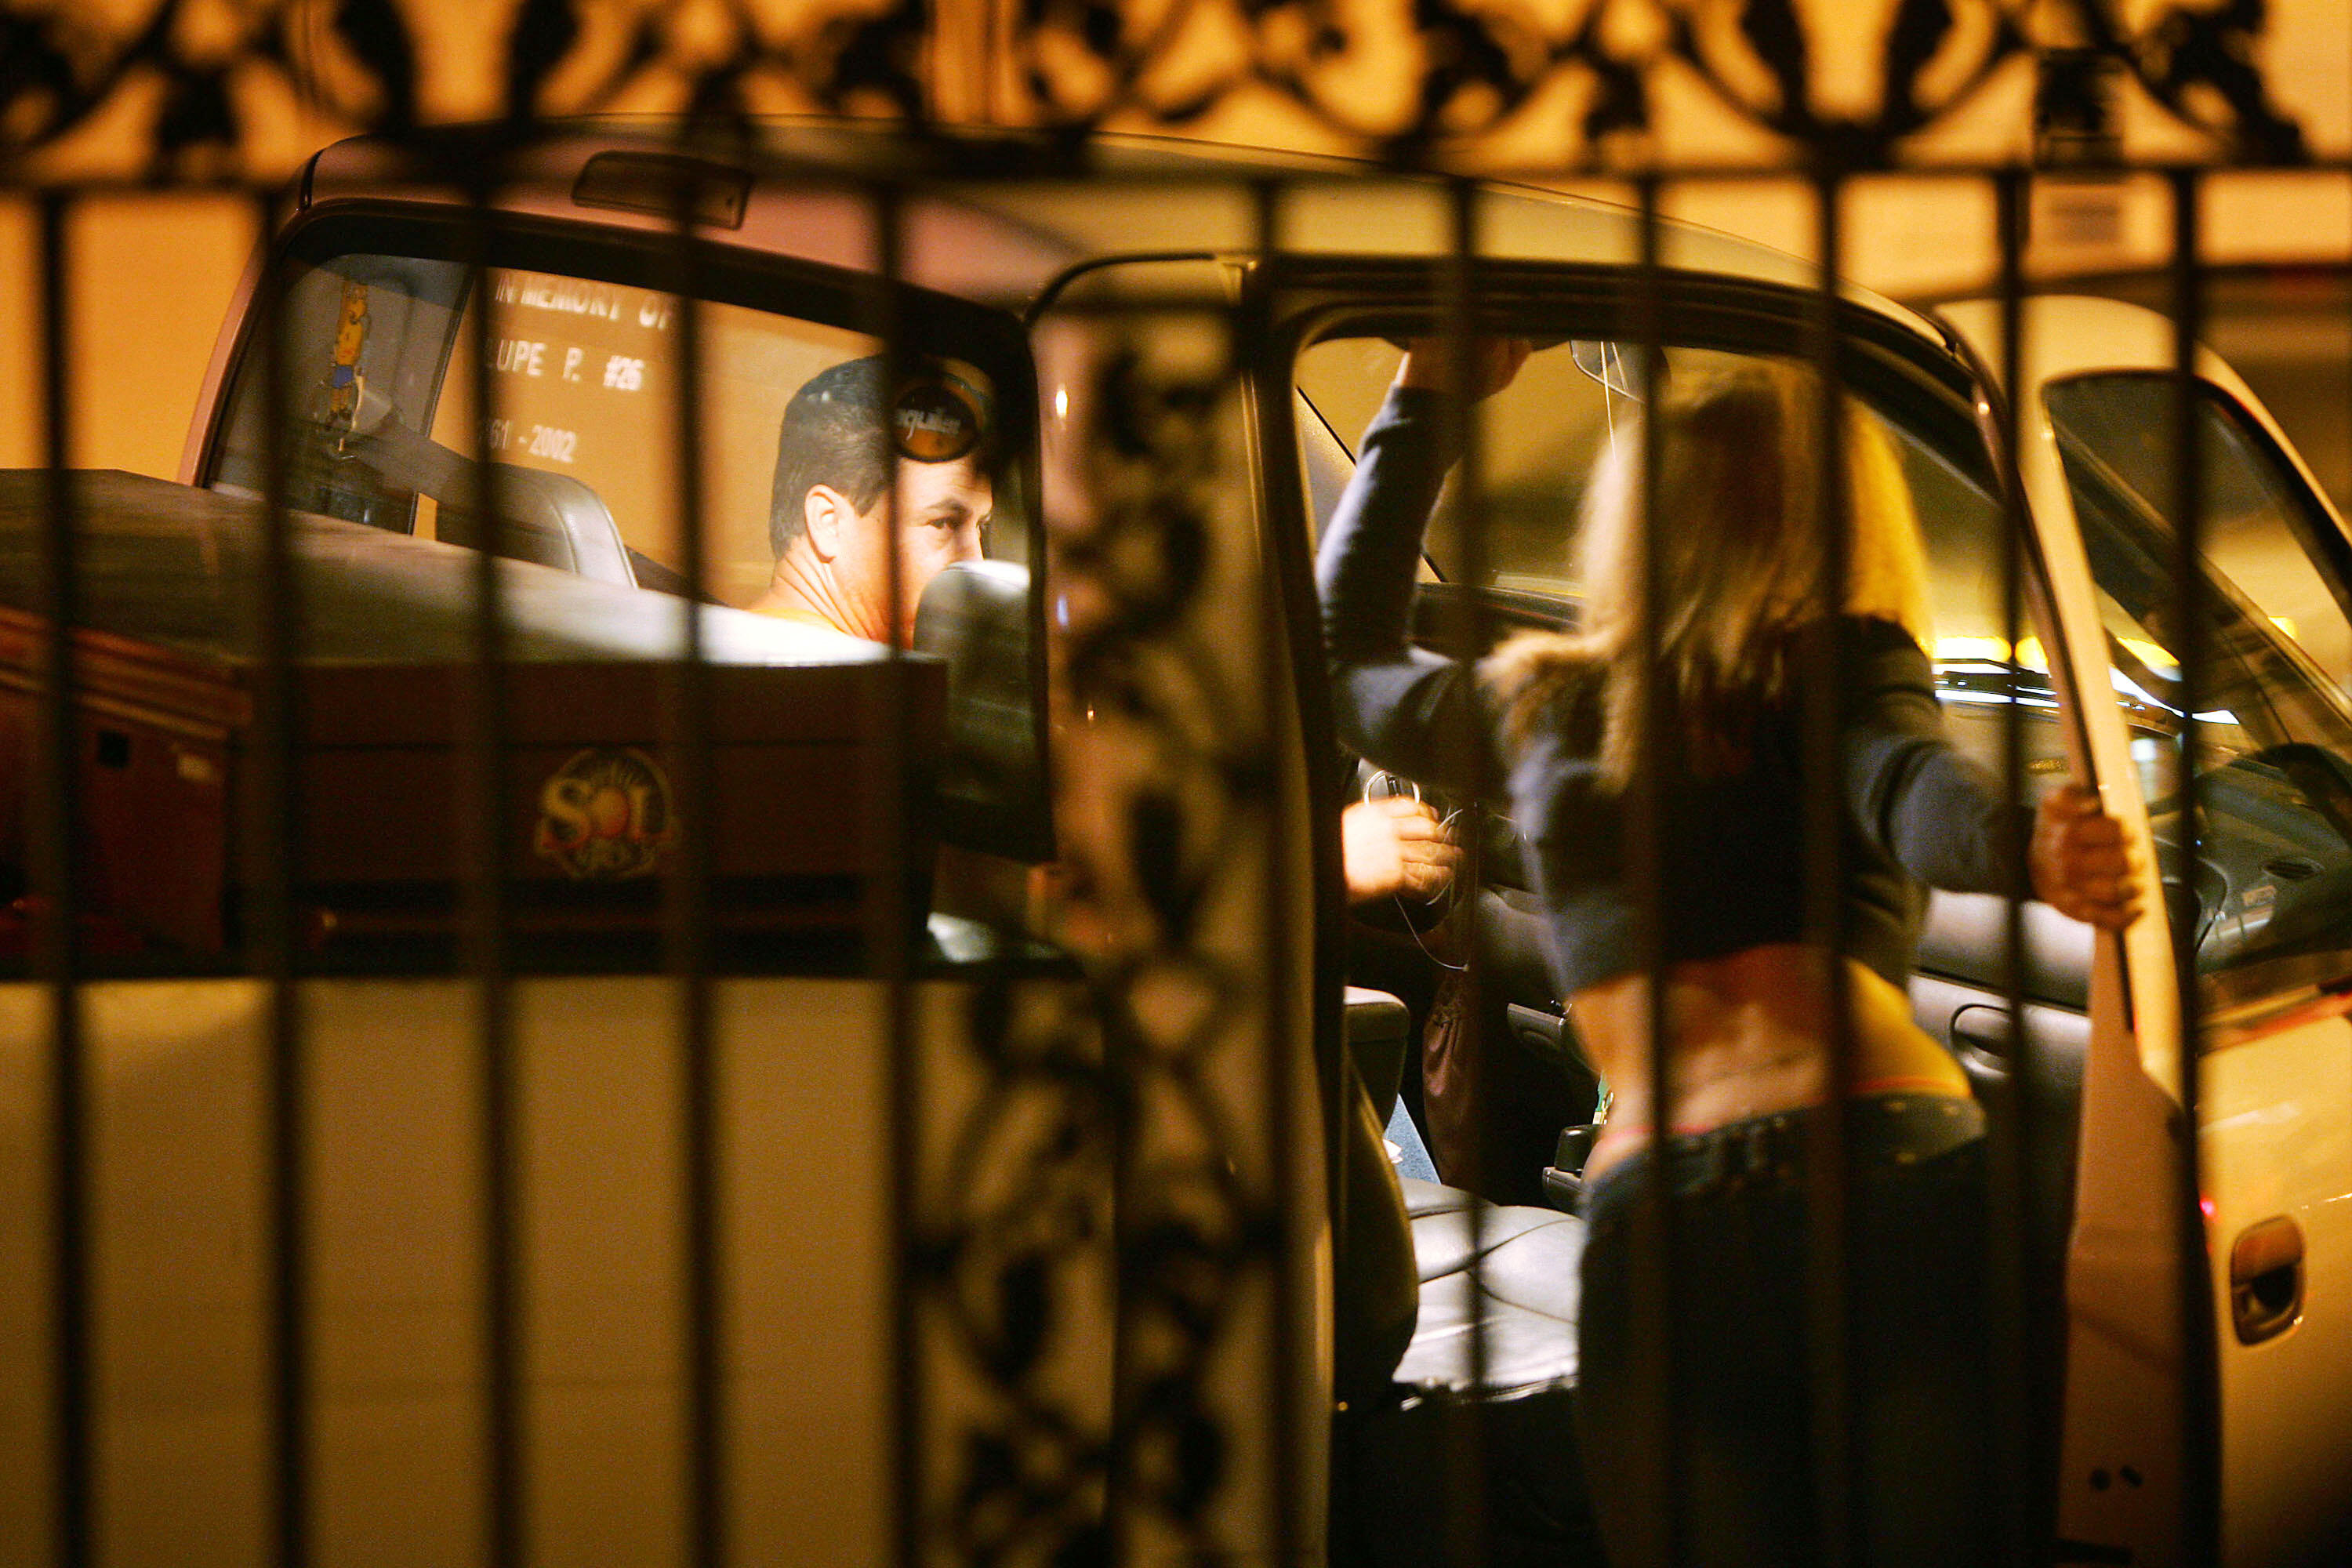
1742, 566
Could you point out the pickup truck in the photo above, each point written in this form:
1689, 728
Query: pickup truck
999, 954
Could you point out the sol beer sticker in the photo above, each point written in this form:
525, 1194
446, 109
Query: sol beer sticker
605, 814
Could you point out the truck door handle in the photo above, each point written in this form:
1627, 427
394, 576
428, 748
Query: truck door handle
2267, 1280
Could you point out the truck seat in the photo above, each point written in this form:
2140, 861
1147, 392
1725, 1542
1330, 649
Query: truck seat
1524, 1295
1416, 1420
551, 520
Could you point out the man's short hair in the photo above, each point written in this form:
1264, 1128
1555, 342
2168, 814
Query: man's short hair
832, 435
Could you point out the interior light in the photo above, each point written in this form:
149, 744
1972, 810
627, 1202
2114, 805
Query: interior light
664, 184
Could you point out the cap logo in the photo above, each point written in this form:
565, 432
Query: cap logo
934, 422
606, 815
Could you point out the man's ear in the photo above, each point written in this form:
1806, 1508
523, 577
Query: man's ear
828, 515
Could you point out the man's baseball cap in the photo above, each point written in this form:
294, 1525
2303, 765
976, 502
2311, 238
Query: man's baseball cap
937, 413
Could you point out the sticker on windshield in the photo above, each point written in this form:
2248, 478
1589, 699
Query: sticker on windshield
606, 815
345, 377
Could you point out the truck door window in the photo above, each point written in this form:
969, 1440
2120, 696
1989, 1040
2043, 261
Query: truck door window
1540, 438
2270, 895
1543, 438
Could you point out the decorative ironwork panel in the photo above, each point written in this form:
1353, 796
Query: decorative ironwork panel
214, 89
1126, 1125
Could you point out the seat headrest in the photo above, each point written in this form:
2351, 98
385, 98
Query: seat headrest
975, 617
556, 521
548, 519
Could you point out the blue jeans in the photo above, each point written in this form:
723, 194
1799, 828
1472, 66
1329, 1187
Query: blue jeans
1743, 1363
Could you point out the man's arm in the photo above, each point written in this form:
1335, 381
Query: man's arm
1395, 846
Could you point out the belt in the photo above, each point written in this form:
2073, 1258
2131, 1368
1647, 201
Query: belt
1883, 1130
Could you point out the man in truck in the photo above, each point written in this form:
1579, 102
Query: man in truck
829, 518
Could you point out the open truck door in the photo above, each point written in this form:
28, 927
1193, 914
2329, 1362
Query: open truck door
2255, 858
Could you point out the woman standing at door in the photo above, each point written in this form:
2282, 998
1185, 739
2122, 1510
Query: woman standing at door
1749, 994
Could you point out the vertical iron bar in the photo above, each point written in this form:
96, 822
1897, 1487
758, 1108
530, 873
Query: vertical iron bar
688, 937
2200, 1412
56, 928
1124, 1064
1652, 1288
273, 841
1828, 1266
1467, 1466
1293, 1262
2025, 1460
486, 729
889, 928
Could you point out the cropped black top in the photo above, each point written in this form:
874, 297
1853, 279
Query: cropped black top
1916, 811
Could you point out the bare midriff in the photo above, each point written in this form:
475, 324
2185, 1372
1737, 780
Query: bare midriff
1747, 1034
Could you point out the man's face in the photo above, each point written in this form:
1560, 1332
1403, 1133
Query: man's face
943, 511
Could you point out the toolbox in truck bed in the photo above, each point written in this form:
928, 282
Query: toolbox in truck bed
168, 672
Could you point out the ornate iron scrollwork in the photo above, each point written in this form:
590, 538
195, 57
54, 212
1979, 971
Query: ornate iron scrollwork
1454, 70
1178, 755
1104, 1173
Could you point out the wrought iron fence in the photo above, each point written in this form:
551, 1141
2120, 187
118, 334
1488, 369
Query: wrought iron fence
1130, 1148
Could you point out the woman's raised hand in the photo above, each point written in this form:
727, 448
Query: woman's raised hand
1493, 362
2079, 861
